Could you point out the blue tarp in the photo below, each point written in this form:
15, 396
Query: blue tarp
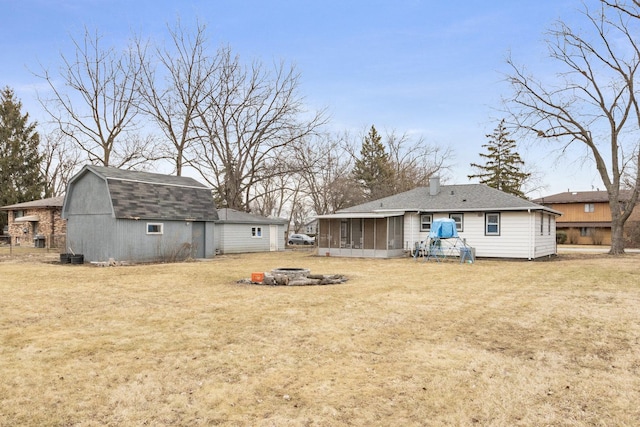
444, 228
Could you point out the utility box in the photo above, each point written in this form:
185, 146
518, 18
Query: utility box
39, 241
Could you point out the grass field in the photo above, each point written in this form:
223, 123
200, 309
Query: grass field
401, 343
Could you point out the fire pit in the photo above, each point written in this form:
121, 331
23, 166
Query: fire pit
288, 276
291, 273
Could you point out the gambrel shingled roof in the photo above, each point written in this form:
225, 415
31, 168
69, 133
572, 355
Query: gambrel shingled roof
450, 198
155, 196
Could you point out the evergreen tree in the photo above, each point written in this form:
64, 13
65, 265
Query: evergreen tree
503, 168
373, 170
19, 157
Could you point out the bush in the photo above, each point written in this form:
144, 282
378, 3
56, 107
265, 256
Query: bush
632, 234
597, 237
561, 237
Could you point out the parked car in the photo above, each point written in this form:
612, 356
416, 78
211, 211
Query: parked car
301, 239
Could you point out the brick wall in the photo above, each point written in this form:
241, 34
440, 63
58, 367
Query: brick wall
49, 224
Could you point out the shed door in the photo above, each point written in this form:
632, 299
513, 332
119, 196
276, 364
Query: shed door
273, 238
197, 239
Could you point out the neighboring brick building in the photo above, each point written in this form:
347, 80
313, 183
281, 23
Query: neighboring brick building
586, 217
37, 223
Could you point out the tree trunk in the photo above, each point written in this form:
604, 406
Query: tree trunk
617, 236
617, 224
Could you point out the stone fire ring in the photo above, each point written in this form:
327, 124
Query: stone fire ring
287, 276
292, 273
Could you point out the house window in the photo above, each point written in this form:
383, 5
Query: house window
589, 207
492, 224
549, 225
541, 223
154, 228
17, 214
459, 219
425, 222
256, 232
586, 231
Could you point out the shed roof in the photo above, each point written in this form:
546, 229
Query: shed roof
235, 216
51, 202
450, 198
147, 195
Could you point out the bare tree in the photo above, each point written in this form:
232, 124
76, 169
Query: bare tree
630, 9
60, 160
249, 116
414, 162
170, 95
594, 102
324, 171
95, 105
274, 192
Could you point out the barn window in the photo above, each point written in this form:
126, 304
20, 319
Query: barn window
459, 219
154, 228
492, 224
256, 232
425, 222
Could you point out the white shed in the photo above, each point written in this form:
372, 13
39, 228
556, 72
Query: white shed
242, 232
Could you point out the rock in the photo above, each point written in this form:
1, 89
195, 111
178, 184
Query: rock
281, 279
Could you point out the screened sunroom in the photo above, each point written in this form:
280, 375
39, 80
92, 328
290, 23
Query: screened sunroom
360, 235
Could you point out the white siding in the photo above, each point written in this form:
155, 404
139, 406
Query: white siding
236, 238
519, 234
545, 243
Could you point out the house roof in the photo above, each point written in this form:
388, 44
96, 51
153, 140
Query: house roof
51, 202
149, 195
235, 216
581, 197
450, 198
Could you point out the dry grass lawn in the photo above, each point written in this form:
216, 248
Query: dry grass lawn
402, 343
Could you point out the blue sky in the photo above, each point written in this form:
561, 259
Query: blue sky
429, 68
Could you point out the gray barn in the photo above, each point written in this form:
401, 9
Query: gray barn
138, 216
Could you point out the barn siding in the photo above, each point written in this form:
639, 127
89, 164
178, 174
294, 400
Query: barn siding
89, 196
91, 235
101, 237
